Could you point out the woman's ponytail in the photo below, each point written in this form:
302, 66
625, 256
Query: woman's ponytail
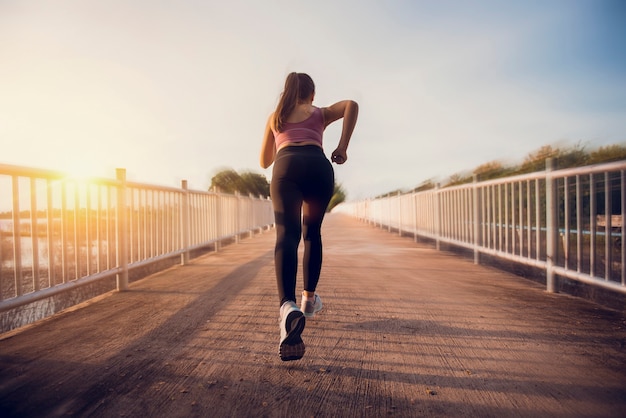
297, 86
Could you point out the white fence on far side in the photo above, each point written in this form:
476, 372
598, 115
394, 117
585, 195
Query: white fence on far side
567, 222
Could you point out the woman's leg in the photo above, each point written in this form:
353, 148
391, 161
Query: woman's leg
287, 203
316, 201
312, 260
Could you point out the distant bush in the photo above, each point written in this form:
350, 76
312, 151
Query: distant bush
339, 196
246, 183
566, 157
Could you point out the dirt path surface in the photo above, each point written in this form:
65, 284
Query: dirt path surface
406, 331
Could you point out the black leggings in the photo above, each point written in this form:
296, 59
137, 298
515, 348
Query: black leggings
302, 185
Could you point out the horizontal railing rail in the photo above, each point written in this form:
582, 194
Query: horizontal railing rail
59, 232
565, 222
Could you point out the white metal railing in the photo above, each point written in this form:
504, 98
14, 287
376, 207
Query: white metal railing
566, 222
57, 232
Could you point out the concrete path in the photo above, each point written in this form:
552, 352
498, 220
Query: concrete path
406, 331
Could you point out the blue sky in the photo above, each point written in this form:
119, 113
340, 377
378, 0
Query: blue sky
179, 90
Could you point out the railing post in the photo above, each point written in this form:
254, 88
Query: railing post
122, 231
400, 225
476, 220
252, 228
186, 227
414, 214
437, 218
551, 226
218, 220
237, 215
17, 246
388, 212
608, 228
622, 228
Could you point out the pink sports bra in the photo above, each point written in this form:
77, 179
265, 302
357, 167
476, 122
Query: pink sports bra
310, 129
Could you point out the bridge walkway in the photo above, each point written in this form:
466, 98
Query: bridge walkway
406, 331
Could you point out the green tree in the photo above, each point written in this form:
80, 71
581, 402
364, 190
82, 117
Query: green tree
339, 196
457, 179
491, 170
607, 154
575, 156
391, 193
229, 181
536, 161
226, 181
567, 157
425, 185
255, 184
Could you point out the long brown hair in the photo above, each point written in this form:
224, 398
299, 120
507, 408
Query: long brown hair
298, 86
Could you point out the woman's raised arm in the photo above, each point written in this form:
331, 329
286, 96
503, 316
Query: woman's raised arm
349, 111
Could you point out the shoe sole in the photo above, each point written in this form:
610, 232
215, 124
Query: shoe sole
292, 347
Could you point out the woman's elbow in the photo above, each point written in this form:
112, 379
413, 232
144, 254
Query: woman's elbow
352, 106
265, 161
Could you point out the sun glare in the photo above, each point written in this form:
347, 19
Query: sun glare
83, 170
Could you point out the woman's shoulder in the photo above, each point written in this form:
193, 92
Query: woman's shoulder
324, 113
318, 110
319, 114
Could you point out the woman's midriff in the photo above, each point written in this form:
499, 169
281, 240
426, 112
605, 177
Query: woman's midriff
299, 144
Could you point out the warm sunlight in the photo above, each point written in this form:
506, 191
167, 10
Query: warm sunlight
81, 170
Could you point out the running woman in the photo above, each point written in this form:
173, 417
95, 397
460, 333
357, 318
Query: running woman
301, 187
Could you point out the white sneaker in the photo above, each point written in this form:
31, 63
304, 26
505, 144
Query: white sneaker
311, 306
292, 323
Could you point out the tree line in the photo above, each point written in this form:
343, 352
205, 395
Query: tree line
249, 183
566, 156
